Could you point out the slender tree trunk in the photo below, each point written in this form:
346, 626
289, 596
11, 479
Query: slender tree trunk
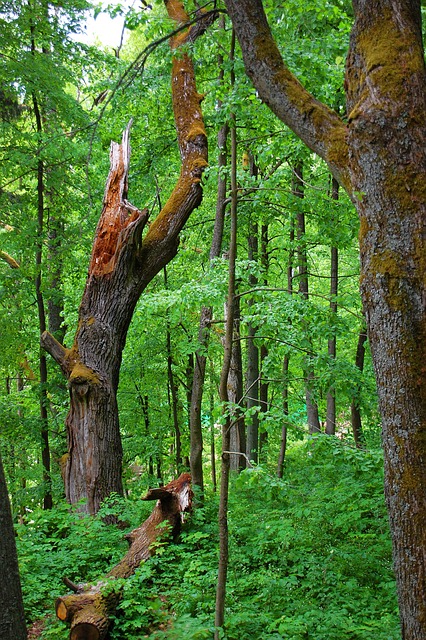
212, 442
173, 390
309, 374
330, 424
237, 440
196, 435
263, 353
355, 408
43, 401
122, 265
12, 619
252, 376
284, 430
286, 361
223, 387
45, 449
55, 302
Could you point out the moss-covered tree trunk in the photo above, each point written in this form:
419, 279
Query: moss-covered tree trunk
122, 264
379, 157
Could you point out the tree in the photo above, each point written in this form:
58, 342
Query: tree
12, 625
121, 266
379, 157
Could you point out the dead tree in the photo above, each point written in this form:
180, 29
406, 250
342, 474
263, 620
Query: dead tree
88, 610
122, 264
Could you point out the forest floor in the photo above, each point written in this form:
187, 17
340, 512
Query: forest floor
36, 629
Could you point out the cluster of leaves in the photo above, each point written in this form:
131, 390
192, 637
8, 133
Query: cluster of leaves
310, 557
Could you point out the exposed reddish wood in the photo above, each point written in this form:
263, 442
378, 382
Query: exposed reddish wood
88, 610
13, 264
117, 213
122, 265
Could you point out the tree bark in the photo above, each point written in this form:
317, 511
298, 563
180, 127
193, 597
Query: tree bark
12, 620
88, 610
121, 266
355, 409
379, 157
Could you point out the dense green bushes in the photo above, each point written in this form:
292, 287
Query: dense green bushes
310, 557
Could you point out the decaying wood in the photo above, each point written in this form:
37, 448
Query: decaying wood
123, 262
13, 264
88, 609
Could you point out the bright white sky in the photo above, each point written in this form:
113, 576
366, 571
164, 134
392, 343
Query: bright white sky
107, 31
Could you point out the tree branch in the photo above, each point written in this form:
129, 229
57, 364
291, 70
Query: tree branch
58, 352
13, 264
318, 126
161, 241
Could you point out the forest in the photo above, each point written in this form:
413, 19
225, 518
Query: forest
213, 321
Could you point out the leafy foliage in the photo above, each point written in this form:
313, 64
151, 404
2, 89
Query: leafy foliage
310, 557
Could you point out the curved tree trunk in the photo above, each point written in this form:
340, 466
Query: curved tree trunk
379, 157
121, 266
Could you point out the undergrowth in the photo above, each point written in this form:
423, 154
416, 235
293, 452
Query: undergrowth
310, 557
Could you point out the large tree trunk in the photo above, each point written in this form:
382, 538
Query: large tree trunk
387, 140
379, 157
12, 619
121, 266
88, 610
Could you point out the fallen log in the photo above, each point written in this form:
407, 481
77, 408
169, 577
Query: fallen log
89, 608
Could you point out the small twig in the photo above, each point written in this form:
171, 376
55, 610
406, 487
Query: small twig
70, 584
239, 453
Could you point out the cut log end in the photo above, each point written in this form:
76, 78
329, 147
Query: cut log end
85, 631
61, 609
